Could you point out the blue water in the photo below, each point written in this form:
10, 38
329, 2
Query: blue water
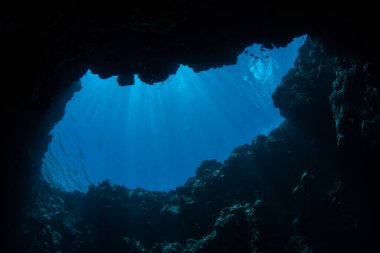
155, 136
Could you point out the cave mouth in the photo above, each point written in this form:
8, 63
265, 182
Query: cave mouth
155, 136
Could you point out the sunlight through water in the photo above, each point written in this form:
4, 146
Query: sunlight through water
155, 136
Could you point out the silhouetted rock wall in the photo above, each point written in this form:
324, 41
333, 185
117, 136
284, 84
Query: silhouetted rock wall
46, 48
291, 191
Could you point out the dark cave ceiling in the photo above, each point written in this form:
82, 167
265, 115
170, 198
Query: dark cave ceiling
55, 44
45, 47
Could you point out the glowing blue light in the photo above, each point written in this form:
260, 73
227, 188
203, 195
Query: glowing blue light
155, 136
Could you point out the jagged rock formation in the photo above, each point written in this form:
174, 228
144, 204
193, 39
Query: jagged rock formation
295, 190
316, 175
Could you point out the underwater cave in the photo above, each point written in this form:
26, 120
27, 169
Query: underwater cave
155, 136
189, 127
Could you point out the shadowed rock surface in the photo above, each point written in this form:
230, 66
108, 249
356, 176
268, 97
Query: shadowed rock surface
290, 191
309, 186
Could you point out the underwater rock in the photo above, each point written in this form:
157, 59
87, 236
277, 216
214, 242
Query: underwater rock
233, 232
125, 80
55, 44
133, 246
52, 224
301, 188
356, 108
303, 95
172, 248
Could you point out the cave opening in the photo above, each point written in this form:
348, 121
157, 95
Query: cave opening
155, 136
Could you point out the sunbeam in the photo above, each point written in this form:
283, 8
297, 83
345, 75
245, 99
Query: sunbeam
155, 136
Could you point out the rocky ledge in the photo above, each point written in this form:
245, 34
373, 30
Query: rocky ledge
308, 186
